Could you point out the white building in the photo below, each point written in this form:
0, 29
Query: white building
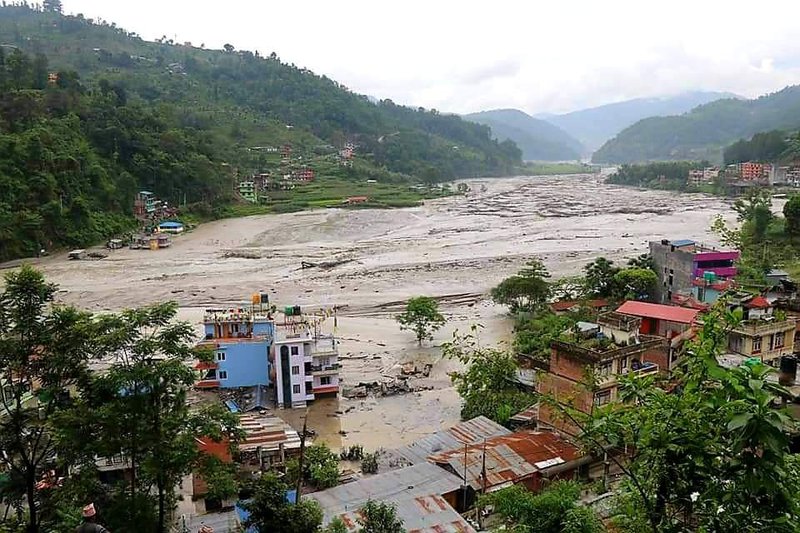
306, 365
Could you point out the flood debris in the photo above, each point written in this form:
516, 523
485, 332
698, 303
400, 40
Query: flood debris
398, 385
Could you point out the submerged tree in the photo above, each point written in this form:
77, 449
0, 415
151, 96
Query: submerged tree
528, 290
272, 512
421, 316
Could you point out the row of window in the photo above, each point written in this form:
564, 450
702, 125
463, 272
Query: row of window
325, 380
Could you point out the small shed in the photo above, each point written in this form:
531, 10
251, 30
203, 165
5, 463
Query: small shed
171, 226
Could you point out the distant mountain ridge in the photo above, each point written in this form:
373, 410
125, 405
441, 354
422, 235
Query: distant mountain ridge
703, 132
538, 139
594, 126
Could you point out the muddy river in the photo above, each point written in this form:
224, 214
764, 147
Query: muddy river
455, 248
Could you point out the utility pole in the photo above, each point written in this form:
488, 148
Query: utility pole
302, 452
483, 483
465, 477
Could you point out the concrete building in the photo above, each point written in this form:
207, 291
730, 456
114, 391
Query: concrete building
679, 263
761, 333
306, 364
751, 171
241, 339
617, 348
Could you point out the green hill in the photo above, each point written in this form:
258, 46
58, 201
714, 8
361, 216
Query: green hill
538, 139
703, 132
596, 125
127, 114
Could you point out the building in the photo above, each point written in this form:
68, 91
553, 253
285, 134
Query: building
617, 348
241, 340
170, 226
751, 171
268, 442
708, 289
145, 204
662, 320
248, 191
762, 333
521, 458
679, 263
424, 496
468, 432
568, 306
221, 450
306, 362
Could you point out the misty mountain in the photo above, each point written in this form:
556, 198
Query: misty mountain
705, 131
596, 125
539, 140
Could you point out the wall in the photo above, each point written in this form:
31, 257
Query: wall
298, 360
679, 262
246, 363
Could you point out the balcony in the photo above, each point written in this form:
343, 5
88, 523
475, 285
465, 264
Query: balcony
758, 327
319, 370
646, 369
207, 384
326, 389
206, 365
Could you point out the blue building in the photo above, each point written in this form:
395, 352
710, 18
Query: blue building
241, 340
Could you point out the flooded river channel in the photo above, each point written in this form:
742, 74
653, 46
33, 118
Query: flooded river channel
455, 248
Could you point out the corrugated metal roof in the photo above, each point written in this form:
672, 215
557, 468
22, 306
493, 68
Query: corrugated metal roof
268, 432
420, 514
396, 486
509, 458
671, 313
468, 432
682, 242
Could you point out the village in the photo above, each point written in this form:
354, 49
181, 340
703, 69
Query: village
262, 361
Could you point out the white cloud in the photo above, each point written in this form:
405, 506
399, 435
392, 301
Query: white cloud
468, 55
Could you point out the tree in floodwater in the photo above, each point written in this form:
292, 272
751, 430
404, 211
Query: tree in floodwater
421, 316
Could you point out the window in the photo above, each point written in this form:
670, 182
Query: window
295, 350
602, 398
671, 279
757, 345
223, 374
623, 365
296, 389
309, 388
220, 356
295, 370
235, 328
325, 380
325, 362
604, 369
779, 339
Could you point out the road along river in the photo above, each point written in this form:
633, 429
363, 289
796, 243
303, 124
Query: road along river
456, 248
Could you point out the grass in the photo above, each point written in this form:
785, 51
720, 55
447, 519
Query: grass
552, 169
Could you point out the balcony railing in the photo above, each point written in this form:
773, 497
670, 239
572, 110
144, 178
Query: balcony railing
327, 369
645, 370
760, 326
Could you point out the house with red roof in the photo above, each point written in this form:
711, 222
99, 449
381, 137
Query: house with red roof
567, 306
661, 320
763, 333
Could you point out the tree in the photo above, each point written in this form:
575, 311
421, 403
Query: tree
46, 347
600, 277
421, 316
534, 335
138, 408
53, 5
554, 510
488, 385
642, 261
528, 290
635, 283
711, 453
336, 526
755, 199
379, 517
320, 467
791, 211
272, 512
228, 48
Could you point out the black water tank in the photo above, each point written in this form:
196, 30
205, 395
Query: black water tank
788, 370
264, 298
296, 310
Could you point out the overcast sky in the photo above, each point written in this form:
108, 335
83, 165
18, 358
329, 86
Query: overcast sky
463, 56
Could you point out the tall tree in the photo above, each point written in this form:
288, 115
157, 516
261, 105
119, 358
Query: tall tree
44, 350
528, 290
600, 276
791, 212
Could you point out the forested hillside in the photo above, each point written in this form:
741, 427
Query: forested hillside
126, 114
596, 125
703, 132
538, 139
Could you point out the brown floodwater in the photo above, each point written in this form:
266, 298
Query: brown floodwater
456, 248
